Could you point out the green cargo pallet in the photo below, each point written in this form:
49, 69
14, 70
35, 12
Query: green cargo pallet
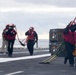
54, 56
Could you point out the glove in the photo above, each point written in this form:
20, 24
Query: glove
35, 40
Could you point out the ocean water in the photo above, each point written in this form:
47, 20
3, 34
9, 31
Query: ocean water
42, 43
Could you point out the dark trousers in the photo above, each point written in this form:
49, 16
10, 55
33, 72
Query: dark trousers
30, 46
10, 46
69, 48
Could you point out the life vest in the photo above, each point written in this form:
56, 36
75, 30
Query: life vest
4, 33
11, 34
31, 36
69, 37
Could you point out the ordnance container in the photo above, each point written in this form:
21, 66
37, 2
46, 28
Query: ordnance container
55, 38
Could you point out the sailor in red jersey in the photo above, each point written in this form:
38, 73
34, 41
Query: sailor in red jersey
11, 35
70, 40
4, 39
32, 37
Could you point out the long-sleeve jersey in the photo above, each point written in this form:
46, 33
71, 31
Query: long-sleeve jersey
11, 34
32, 35
4, 36
70, 37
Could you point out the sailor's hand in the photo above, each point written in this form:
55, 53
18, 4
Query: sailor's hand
75, 44
35, 40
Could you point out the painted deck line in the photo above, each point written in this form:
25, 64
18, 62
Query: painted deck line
22, 58
14, 73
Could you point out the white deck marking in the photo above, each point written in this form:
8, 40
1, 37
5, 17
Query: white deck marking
14, 73
21, 58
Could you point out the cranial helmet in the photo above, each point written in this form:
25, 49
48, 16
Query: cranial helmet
31, 28
7, 25
12, 25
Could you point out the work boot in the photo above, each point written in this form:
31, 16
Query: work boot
65, 61
71, 65
9, 55
31, 53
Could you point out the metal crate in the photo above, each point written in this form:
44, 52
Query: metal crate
55, 38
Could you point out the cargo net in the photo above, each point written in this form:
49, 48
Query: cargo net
60, 51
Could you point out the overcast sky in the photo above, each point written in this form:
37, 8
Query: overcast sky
43, 15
